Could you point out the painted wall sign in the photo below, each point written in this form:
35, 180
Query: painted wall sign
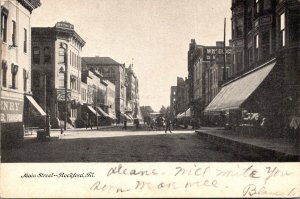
210, 53
11, 111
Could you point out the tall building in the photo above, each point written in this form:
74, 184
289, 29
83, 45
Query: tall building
205, 72
115, 73
56, 68
15, 70
266, 65
132, 94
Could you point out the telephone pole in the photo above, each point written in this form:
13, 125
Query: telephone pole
224, 49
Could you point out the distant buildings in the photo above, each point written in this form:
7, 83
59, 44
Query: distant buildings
56, 65
15, 69
117, 73
173, 102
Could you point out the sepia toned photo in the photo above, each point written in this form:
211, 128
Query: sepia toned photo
204, 83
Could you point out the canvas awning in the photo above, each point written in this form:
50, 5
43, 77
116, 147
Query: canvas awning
188, 113
36, 105
235, 93
112, 116
102, 112
92, 110
124, 115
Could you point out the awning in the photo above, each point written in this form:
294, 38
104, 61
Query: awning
234, 94
188, 113
112, 116
124, 115
102, 112
92, 110
36, 105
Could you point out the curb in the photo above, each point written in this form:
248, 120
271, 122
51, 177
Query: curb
249, 151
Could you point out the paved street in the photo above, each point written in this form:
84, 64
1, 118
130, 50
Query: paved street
118, 145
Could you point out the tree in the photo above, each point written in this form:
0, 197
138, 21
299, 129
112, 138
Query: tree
165, 111
146, 110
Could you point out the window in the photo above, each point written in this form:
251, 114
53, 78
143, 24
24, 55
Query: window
61, 55
257, 6
25, 40
256, 41
14, 34
4, 26
240, 27
14, 72
36, 55
282, 29
4, 73
265, 43
267, 4
47, 55
25, 77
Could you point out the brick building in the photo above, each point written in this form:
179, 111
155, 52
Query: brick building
56, 65
266, 65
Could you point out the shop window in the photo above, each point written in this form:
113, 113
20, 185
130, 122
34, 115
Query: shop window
25, 40
14, 34
14, 72
3, 26
36, 55
47, 55
4, 73
282, 29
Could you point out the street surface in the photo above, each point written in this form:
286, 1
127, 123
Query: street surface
118, 145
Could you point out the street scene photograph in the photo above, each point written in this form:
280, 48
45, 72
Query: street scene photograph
150, 81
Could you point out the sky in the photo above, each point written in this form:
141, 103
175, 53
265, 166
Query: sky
153, 34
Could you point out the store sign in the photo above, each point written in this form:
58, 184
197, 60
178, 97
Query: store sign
11, 111
65, 25
210, 53
61, 95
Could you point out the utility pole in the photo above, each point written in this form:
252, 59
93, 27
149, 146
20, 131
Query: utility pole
66, 88
45, 97
97, 107
224, 49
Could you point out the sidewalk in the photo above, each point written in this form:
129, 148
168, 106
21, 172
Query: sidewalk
283, 149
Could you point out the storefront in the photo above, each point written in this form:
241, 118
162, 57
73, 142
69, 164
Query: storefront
246, 102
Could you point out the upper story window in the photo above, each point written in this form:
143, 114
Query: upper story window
282, 29
61, 55
47, 55
25, 40
36, 55
265, 43
256, 47
240, 27
14, 72
257, 5
4, 73
14, 34
3, 26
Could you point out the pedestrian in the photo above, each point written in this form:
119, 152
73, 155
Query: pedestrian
87, 121
137, 123
125, 123
168, 126
91, 124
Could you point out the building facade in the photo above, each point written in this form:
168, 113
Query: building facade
56, 71
265, 41
15, 70
132, 94
115, 73
205, 73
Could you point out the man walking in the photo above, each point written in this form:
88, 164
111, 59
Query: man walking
125, 123
168, 126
